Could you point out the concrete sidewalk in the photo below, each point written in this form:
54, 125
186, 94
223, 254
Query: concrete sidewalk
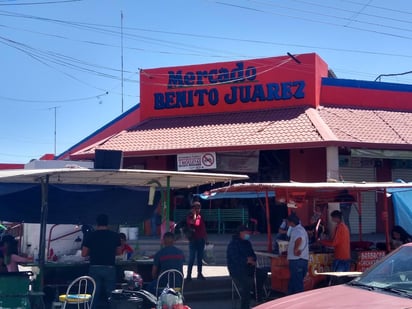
209, 271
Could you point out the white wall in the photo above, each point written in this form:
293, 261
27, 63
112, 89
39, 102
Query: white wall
66, 245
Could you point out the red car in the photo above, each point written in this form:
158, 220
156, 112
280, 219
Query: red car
388, 284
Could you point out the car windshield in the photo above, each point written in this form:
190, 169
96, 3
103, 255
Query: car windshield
393, 274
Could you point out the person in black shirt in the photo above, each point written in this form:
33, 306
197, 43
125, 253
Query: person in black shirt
102, 246
241, 263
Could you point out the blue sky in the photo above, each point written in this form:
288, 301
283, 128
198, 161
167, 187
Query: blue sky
66, 53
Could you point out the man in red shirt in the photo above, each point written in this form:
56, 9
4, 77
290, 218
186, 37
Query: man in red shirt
341, 243
125, 246
197, 240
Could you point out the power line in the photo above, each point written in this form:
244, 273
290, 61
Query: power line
346, 19
39, 3
357, 13
61, 60
54, 101
224, 38
318, 5
206, 36
72, 61
95, 43
392, 74
380, 7
102, 30
317, 21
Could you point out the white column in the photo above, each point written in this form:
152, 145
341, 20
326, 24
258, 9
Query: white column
332, 163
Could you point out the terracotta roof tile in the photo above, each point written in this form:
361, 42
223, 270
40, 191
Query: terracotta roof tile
240, 129
263, 128
368, 125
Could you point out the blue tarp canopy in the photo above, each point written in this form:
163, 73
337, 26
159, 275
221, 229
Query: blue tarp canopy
75, 204
402, 206
77, 195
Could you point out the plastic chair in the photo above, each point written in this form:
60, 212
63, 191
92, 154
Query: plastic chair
175, 280
14, 290
80, 292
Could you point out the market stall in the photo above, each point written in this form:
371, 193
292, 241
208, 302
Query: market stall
303, 198
77, 195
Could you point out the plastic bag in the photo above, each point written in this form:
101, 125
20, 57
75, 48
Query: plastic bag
209, 254
170, 299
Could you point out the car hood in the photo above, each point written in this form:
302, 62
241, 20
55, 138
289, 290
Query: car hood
341, 296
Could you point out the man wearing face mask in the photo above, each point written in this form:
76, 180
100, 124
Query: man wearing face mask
298, 254
241, 263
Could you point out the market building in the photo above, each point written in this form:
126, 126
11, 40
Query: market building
276, 119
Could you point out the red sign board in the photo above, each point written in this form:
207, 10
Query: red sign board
276, 82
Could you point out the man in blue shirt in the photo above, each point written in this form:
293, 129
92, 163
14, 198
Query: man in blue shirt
241, 262
167, 258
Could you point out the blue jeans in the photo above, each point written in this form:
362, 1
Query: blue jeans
298, 270
341, 265
105, 277
196, 248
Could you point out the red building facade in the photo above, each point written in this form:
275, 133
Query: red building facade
276, 119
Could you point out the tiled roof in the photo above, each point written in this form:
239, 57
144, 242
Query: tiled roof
276, 128
242, 129
368, 125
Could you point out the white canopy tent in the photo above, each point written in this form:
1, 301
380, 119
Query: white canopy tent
284, 188
127, 178
121, 177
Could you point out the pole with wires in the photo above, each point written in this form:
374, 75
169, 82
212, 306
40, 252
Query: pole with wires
55, 127
121, 34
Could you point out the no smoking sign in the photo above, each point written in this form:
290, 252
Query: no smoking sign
208, 160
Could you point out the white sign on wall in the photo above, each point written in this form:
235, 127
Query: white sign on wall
239, 162
196, 161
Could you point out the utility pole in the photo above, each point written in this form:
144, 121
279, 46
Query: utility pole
55, 127
121, 34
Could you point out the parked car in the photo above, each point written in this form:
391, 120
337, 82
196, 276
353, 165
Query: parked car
387, 284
